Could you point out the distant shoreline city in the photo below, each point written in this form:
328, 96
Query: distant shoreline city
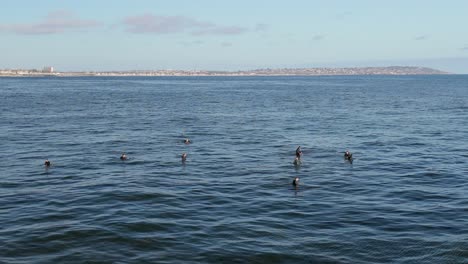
391, 70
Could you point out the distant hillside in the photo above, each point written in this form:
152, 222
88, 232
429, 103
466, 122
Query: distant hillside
392, 70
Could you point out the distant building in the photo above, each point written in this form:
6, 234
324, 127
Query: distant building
48, 69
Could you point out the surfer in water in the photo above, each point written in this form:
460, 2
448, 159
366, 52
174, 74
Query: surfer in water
47, 163
187, 141
298, 152
123, 157
297, 161
348, 155
184, 157
295, 182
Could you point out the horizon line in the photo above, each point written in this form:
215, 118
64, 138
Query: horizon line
53, 69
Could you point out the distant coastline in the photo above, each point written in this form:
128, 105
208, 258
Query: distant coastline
391, 70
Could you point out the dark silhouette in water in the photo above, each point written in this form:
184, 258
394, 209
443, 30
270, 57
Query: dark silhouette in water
298, 152
123, 157
295, 182
184, 157
297, 161
47, 163
187, 141
348, 156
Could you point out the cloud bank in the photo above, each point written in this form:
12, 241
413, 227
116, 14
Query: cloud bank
64, 21
155, 24
422, 37
318, 37
54, 23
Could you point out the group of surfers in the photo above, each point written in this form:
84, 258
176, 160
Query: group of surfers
183, 156
297, 160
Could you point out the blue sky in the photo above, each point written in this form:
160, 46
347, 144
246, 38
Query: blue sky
231, 35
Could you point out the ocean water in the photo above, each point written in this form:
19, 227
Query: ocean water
403, 199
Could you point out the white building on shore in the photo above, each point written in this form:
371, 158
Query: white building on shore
48, 69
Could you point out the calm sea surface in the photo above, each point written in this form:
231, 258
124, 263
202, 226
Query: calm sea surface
404, 199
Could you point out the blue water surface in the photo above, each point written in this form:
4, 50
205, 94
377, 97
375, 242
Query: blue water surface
403, 199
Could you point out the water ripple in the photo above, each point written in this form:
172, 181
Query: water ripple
403, 199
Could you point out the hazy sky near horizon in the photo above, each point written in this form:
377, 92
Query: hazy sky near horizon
230, 35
